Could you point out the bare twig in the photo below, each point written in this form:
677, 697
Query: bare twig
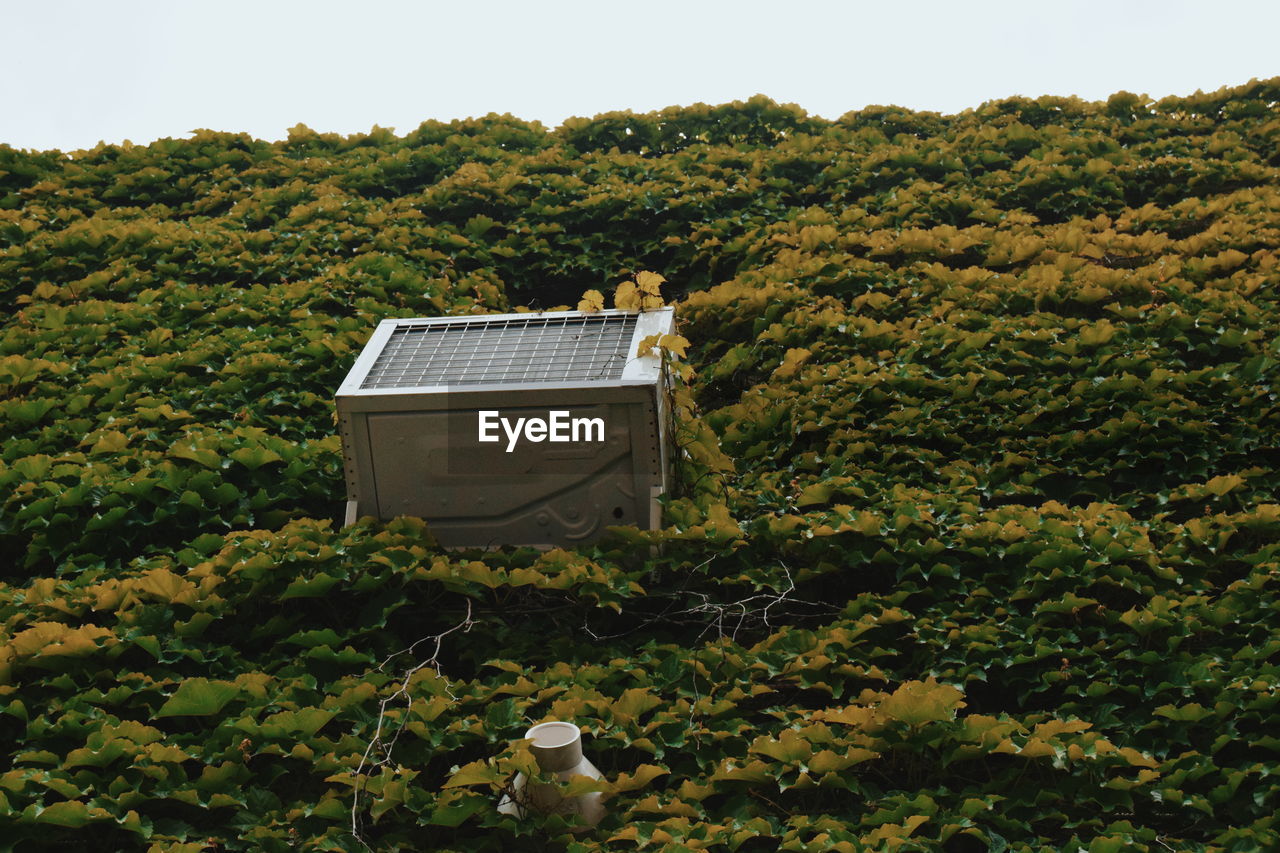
727, 618
748, 614
671, 599
386, 747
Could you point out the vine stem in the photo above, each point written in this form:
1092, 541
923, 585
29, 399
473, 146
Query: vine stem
386, 747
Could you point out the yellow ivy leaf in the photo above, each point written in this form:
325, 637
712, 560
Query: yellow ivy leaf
791, 362
789, 747
1053, 728
826, 761
110, 441
1222, 484
56, 639
632, 703
754, 771
896, 830
643, 775
166, 586
475, 773
674, 344
1037, 748
647, 345
917, 702
158, 752
578, 785
628, 834
393, 794
627, 297
649, 282
677, 345
854, 715
592, 301
1097, 334
1136, 758
69, 813
652, 805
815, 494
521, 760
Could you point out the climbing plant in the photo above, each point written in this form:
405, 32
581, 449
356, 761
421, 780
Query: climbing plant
976, 546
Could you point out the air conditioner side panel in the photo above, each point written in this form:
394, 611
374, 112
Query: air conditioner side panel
357, 465
401, 459
479, 494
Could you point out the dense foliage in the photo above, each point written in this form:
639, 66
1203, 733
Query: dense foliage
978, 538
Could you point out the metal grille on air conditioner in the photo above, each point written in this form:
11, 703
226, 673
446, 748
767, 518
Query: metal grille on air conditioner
524, 348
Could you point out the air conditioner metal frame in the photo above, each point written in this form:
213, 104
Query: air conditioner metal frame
397, 462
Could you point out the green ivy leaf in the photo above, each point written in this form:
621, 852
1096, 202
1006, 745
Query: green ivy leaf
198, 697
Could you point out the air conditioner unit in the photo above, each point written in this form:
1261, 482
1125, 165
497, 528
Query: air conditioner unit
513, 429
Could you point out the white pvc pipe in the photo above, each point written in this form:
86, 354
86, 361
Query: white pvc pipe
557, 746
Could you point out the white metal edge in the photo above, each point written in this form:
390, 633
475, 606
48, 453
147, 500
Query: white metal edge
368, 355
647, 367
571, 385
523, 315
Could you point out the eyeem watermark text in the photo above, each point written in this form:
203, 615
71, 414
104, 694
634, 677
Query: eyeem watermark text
556, 427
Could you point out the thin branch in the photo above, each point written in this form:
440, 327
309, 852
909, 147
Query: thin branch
386, 747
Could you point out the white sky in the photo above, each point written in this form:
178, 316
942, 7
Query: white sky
74, 73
